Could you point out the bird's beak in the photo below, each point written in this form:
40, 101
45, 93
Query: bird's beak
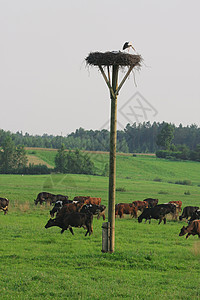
133, 47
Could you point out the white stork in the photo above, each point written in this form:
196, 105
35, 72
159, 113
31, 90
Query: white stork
128, 45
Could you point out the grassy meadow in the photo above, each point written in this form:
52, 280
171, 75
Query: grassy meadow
149, 261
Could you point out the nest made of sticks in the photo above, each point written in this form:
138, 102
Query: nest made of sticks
115, 58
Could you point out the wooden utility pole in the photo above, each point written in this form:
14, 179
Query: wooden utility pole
112, 173
114, 60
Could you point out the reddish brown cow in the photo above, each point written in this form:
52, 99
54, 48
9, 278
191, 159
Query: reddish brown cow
93, 200
81, 199
178, 204
141, 205
192, 229
125, 208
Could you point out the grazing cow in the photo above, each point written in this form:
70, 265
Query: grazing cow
141, 205
178, 204
49, 198
98, 210
151, 202
192, 229
44, 197
158, 212
93, 200
195, 216
188, 211
72, 220
58, 205
4, 205
125, 208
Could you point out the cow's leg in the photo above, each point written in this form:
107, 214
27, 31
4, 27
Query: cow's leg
164, 220
5, 210
161, 218
187, 236
71, 230
88, 230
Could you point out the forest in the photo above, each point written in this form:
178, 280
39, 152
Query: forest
135, 138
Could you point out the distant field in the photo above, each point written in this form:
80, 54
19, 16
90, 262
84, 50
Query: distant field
150, 261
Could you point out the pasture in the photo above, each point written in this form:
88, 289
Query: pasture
149, 261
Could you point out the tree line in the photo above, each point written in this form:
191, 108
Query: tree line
166, 140
141, 138
13, 160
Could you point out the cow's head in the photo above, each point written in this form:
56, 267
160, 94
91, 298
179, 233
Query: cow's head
183, 231
57, 207
50, 223
36, 202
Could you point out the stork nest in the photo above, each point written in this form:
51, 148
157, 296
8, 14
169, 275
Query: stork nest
119, 58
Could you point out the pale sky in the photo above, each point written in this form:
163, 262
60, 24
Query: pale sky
45, 86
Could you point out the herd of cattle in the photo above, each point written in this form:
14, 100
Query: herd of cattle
79, 212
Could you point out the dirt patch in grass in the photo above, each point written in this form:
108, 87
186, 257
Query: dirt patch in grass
32, 159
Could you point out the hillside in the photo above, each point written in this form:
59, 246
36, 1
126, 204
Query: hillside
139, 167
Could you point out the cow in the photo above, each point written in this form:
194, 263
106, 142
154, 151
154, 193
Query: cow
188, 211
4, 205
63, 198
72, 220
98, 210
93, 200
67, 209
45, 197
178, 204
192, 229
158, 212
81, 199
195, 216
177, 210
125, 208
141, 205
58, 205
151, 202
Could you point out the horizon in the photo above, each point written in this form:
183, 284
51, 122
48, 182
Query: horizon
61, 135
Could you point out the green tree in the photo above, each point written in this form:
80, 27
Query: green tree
165, 137
7, 155
20, 159
61, 160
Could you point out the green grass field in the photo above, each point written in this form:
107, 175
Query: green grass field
149, 262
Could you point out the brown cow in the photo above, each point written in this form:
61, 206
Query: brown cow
192, 229
93, 200
4, 205
125, 208
178, 204
81, 199
141, 205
